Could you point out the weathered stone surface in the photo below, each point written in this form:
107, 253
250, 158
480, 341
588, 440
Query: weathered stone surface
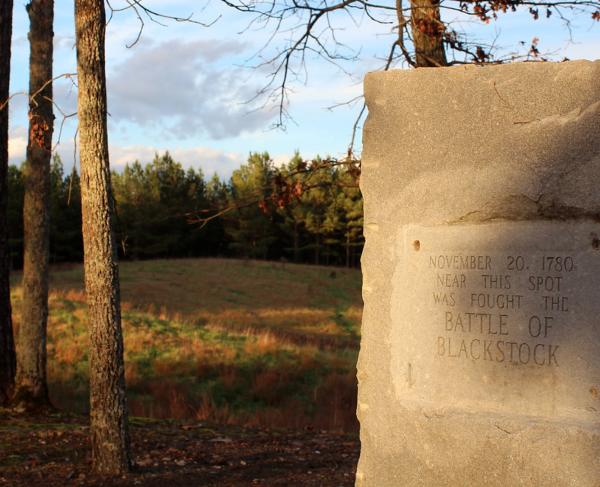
480, 353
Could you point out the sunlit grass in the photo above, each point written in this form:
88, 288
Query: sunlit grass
231, 341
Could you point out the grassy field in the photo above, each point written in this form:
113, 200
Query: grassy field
237, 342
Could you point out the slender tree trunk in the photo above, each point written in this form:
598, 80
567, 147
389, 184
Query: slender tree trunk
318, 247
427, 31
108, 403
296, 242
31, 390
7, 346
348, 249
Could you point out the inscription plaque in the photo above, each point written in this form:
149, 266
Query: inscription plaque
494, 318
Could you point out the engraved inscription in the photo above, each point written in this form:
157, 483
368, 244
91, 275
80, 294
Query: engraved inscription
482, 299
500, 317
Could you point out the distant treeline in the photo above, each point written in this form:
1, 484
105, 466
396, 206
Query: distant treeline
301, 212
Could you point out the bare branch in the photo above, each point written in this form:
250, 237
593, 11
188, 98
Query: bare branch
311, 27
141, 11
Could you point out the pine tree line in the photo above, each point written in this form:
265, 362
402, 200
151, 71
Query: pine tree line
163, 210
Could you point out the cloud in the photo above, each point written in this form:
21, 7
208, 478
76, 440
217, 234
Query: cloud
19, 42
17, 145
281, 159
64, 42
180, 89
208, 159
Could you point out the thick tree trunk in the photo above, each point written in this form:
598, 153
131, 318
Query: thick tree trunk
7, 346
108, 404
31, 391
427, 31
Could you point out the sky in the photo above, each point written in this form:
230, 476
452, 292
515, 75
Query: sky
192, 89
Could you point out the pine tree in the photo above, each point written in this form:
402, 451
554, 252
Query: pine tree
65, 214
108, 403
251, 229
31, 387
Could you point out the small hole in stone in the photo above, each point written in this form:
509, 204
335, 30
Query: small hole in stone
416, 245
595, 241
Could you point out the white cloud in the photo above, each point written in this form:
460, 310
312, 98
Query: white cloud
208, 159
281, 159
178, 89
62, 41
17, 145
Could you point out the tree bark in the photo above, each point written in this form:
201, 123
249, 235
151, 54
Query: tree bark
108, 404
7, 346
348, 249
296, 242
31, 390
428, 33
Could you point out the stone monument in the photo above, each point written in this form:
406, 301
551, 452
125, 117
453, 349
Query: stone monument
480, 353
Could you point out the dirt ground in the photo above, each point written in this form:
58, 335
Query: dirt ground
54, 451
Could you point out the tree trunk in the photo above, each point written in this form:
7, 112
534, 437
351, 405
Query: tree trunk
348, 249
108, 403
428, 33
318, 247
7, 346
296, 242
31, 390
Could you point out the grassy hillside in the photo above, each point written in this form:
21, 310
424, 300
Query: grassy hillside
243, 342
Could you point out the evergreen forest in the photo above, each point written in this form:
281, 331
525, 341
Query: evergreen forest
305, 212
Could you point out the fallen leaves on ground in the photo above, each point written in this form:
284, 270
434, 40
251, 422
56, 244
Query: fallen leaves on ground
54, 450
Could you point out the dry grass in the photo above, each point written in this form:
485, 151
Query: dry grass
236, 342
